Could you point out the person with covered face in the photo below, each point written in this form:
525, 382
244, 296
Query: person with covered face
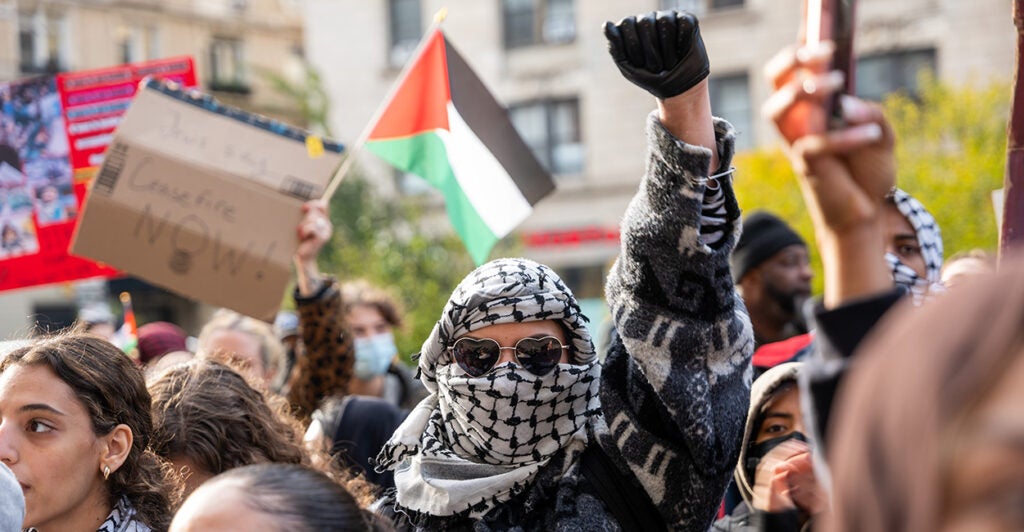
523, 426
913, 244
774, 474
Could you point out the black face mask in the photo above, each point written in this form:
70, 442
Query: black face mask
757, 451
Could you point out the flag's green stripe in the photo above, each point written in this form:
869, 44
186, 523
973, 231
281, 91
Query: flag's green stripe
425, 156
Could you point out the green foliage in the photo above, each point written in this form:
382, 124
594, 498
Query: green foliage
310, 95
950, 152
764, 180
384, 242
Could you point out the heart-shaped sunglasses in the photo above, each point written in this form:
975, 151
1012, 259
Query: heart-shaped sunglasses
478, 356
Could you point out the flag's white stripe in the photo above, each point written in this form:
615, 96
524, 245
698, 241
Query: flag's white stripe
483, 179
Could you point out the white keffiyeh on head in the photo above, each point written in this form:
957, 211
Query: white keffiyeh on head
474, 443
929, 237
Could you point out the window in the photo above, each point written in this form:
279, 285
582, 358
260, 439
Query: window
699, 7
722, 4
137, 43
878, 75
551, 128
405, 27
587, 284
585, 281
227, 66
529, 22
730, 99
43, 42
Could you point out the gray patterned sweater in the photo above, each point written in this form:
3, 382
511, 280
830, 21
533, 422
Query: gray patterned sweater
676, 383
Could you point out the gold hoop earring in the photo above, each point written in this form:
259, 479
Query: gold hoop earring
106, 472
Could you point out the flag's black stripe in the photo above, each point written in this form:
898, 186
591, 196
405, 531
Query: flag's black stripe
490, 122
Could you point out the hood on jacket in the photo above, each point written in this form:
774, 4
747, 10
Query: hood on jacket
761, 392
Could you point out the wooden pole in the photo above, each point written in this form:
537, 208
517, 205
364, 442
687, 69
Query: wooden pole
1012, 231
350, 153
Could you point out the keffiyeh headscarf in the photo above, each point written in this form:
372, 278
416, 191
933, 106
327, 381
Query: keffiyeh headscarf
929, 237
475, 442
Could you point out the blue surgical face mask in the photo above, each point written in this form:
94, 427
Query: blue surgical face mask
374, 354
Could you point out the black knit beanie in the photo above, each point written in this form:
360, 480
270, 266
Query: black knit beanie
764, 235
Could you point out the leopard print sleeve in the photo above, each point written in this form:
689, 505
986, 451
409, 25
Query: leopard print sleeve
675, 385
324, 360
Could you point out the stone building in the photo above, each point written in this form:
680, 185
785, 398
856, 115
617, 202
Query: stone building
236, 45
547, 61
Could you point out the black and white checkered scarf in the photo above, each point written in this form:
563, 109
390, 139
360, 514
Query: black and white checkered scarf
929, 237
475, 443
122, 518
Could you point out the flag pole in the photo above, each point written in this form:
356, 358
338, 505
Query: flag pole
350, 154
131, 344
1012, 230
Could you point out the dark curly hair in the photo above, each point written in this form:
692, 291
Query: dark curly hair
206, 411
113, 392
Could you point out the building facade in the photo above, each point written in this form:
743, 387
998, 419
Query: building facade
544, 59
547, 61
237, 45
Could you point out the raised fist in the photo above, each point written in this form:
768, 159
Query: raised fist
662, 52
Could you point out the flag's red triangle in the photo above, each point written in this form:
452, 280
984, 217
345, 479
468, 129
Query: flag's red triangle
420, 103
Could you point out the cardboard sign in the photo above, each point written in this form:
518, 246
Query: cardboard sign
203, 199
56, 130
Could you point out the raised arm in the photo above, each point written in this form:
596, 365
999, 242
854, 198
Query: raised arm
323, 365
844, 175
676, 382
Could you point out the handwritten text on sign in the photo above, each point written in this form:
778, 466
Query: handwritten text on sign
199, 203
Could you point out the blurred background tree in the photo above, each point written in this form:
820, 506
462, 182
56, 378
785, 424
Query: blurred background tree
385, 242
950, 152
302, 84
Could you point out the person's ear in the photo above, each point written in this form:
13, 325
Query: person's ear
116, 446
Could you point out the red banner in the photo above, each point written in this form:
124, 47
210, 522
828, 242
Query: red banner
53, 133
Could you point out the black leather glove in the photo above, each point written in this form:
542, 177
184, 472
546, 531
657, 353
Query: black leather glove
661, 52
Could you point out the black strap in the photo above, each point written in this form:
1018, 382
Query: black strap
631, 507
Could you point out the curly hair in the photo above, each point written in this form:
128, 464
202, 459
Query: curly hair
206, 411
113, 392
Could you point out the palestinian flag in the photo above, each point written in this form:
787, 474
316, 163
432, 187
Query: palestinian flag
128, 335
443, 125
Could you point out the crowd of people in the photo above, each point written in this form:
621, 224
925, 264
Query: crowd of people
893, 402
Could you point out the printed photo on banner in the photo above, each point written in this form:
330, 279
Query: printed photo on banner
17, 230
15, 196
17, 235
33, 142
